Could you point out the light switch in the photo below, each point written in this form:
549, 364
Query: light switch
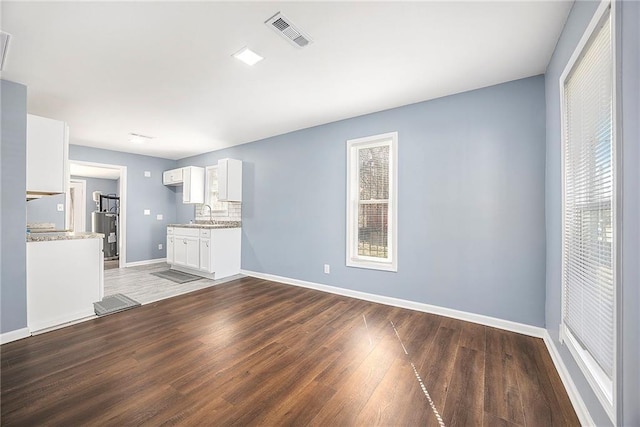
147, 174
159, 217
147, 211
160, 246
60, 207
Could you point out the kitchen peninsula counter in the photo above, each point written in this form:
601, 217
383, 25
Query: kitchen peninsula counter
65, 276
50, 236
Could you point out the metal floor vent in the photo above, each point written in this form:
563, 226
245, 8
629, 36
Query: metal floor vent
283, 26
114, 304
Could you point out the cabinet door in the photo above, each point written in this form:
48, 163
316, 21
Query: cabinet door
176, 175
186, 186
166, 178
192, 252
230, 180
47, 153
170, 249
193, 186
180, 251
172, 177
205, 255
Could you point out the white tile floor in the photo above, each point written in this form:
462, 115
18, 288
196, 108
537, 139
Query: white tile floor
138, 283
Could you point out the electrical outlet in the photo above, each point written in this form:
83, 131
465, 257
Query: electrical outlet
159, 246
327, 269
147, 211
159, 217
60, 207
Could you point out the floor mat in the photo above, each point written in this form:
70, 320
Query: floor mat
176, 276
114, 304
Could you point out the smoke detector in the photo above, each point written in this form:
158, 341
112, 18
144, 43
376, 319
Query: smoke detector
283, 26
4, 48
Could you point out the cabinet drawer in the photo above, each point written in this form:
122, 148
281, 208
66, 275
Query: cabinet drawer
186, 232
169, 230
205, 232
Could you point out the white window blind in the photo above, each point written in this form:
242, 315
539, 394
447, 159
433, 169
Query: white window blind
588, 200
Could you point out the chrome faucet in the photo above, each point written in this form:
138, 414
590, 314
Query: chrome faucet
210, 213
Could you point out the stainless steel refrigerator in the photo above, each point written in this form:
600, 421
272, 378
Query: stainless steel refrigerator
107, 224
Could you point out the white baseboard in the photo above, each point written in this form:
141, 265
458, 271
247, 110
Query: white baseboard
494, 322
64, 325
16, 335
61, 321
146, 262
574, 395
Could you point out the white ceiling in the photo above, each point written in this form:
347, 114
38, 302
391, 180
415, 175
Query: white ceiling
165, 69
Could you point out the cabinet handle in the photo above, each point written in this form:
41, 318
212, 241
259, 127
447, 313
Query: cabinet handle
184, 241
207, 244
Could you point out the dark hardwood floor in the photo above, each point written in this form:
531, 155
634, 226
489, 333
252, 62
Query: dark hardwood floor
254, 352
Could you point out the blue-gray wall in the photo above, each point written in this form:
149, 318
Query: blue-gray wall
471, 195
105, 186
46, 210
144, 233
579, 18
13, 215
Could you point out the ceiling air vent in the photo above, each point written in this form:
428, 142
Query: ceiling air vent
283, 26
4, 47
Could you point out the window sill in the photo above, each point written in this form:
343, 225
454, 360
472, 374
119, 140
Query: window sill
373, 265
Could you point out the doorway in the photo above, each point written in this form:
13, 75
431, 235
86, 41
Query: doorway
76, 213
101, 181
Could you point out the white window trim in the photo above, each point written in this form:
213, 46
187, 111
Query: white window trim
352, 257
207, 193
606, 390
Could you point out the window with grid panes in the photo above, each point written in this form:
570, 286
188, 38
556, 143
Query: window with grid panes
211, 193
371, 209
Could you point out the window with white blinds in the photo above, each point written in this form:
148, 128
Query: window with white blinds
588, 252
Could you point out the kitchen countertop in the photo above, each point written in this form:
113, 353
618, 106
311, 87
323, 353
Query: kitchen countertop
61, 235
225, 224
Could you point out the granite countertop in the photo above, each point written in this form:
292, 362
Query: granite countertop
61, 235
207, 224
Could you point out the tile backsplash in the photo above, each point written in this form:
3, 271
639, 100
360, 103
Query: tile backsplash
233, 212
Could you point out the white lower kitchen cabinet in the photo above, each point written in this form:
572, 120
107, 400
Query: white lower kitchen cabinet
186, 251
64, 279
206, 252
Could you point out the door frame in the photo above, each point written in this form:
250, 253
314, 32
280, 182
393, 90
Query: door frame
122, 218
76, 205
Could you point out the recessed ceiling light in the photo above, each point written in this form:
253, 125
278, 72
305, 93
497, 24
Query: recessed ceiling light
248, 56
136, 138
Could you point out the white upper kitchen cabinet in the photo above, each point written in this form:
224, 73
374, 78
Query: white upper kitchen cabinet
193, 186
192, 180
229, 180
47, 155
172, 177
